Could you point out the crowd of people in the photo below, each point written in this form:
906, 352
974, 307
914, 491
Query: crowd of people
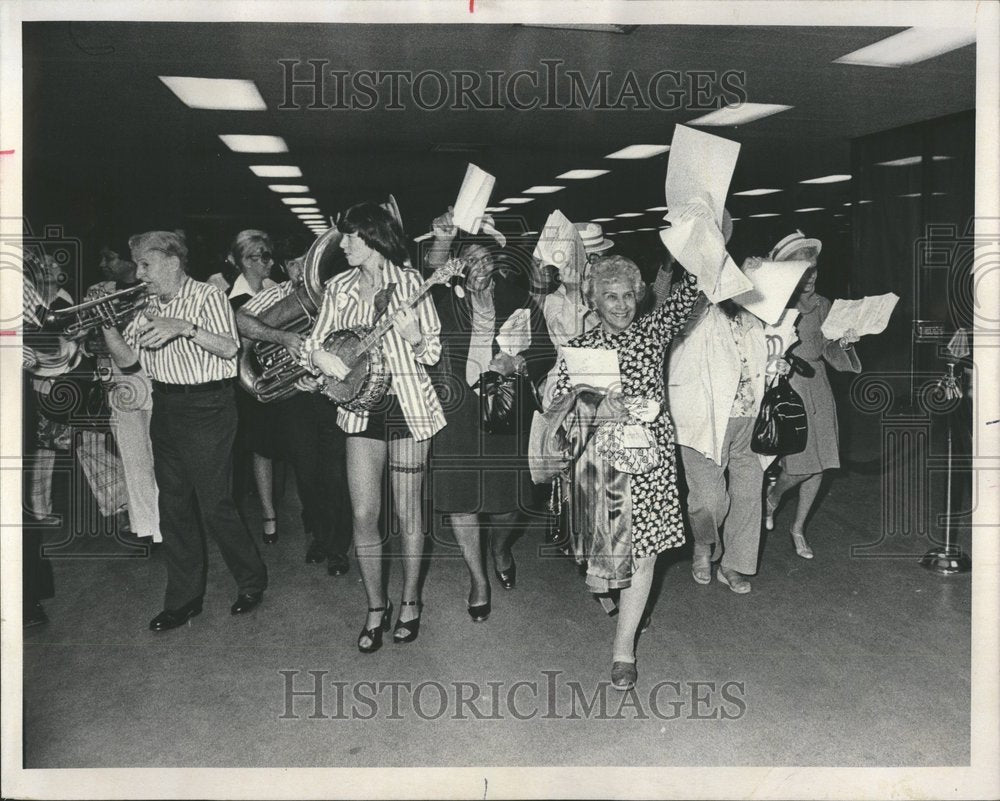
481, 415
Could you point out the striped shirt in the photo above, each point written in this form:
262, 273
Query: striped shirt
266, 298
344, 308
181, 361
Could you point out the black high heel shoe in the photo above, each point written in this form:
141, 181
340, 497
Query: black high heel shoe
407, 630
375, 634
270, 537
480, 612
508, 577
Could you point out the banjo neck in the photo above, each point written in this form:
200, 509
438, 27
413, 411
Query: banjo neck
370, 340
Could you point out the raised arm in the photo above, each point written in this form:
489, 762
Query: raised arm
671, 317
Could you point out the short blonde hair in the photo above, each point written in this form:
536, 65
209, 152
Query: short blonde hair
608, 269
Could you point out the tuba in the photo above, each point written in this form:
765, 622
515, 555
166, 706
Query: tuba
267, 370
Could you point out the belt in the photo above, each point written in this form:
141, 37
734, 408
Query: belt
208, 386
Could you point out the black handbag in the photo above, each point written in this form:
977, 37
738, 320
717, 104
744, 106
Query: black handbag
500, 411
781, 428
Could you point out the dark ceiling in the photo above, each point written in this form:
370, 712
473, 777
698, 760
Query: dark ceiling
108, 146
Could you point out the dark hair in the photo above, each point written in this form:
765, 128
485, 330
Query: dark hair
377, 229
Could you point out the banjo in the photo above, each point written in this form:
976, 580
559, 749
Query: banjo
360, 348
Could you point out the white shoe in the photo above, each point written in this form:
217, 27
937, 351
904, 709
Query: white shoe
801, 546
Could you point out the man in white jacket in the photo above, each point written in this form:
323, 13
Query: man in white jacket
717, 372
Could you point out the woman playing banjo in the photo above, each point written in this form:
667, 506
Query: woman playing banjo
401, 426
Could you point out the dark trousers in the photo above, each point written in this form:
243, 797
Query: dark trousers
192, 435
316, 447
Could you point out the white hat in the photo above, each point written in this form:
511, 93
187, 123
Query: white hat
593, 237
791, 244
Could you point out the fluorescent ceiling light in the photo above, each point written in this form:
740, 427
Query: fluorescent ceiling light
603, 219
910, 47
938, 194
735, 219
216, 93
863, 202
246, 143
625, 231
811, 208
542, 190
910, 160
288, 187
299, 201
645, 229
827, 179
910, 194
768, 214
658, 208
497, 209
638, 152
579, 175
422, 237
307, 208
313, 215
629, 214
755, 192
739, 114
276, 171
516, 201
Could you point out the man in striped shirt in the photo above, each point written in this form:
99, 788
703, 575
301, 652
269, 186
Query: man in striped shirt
316, 445
186, 342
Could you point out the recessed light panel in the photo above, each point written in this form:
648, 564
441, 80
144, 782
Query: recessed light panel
288, 187
516, 201
810, 208
247, 143
276, 171
761, 216
630, 214
299, 201
638, 152
827, 179
224, 94
910, 47
739, 114
579, 175
542, 190
755, 192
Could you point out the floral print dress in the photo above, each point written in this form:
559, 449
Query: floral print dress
656, 510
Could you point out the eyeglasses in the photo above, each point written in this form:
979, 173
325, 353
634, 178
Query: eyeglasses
264, 257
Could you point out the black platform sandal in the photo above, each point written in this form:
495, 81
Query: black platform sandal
375, 635
407, 630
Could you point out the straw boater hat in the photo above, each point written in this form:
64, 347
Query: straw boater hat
792, 244
593, 237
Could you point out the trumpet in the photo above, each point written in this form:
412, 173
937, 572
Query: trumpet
106, 311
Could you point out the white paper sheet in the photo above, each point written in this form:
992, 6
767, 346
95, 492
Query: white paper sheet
773, 284
560, 245
473, 198
596, 367
514, 335
869, 315
700, 162
958, 345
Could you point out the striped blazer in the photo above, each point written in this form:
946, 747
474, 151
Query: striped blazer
343, 308
181, 361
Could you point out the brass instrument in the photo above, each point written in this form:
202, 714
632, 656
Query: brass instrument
107, 311
267, 369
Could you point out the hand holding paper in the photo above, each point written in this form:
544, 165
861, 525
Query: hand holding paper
773, 283
595, 367
869, 315
560, 245
514, 336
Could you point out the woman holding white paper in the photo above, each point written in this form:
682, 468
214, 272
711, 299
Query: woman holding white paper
480, 478
630, 510
805, 469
